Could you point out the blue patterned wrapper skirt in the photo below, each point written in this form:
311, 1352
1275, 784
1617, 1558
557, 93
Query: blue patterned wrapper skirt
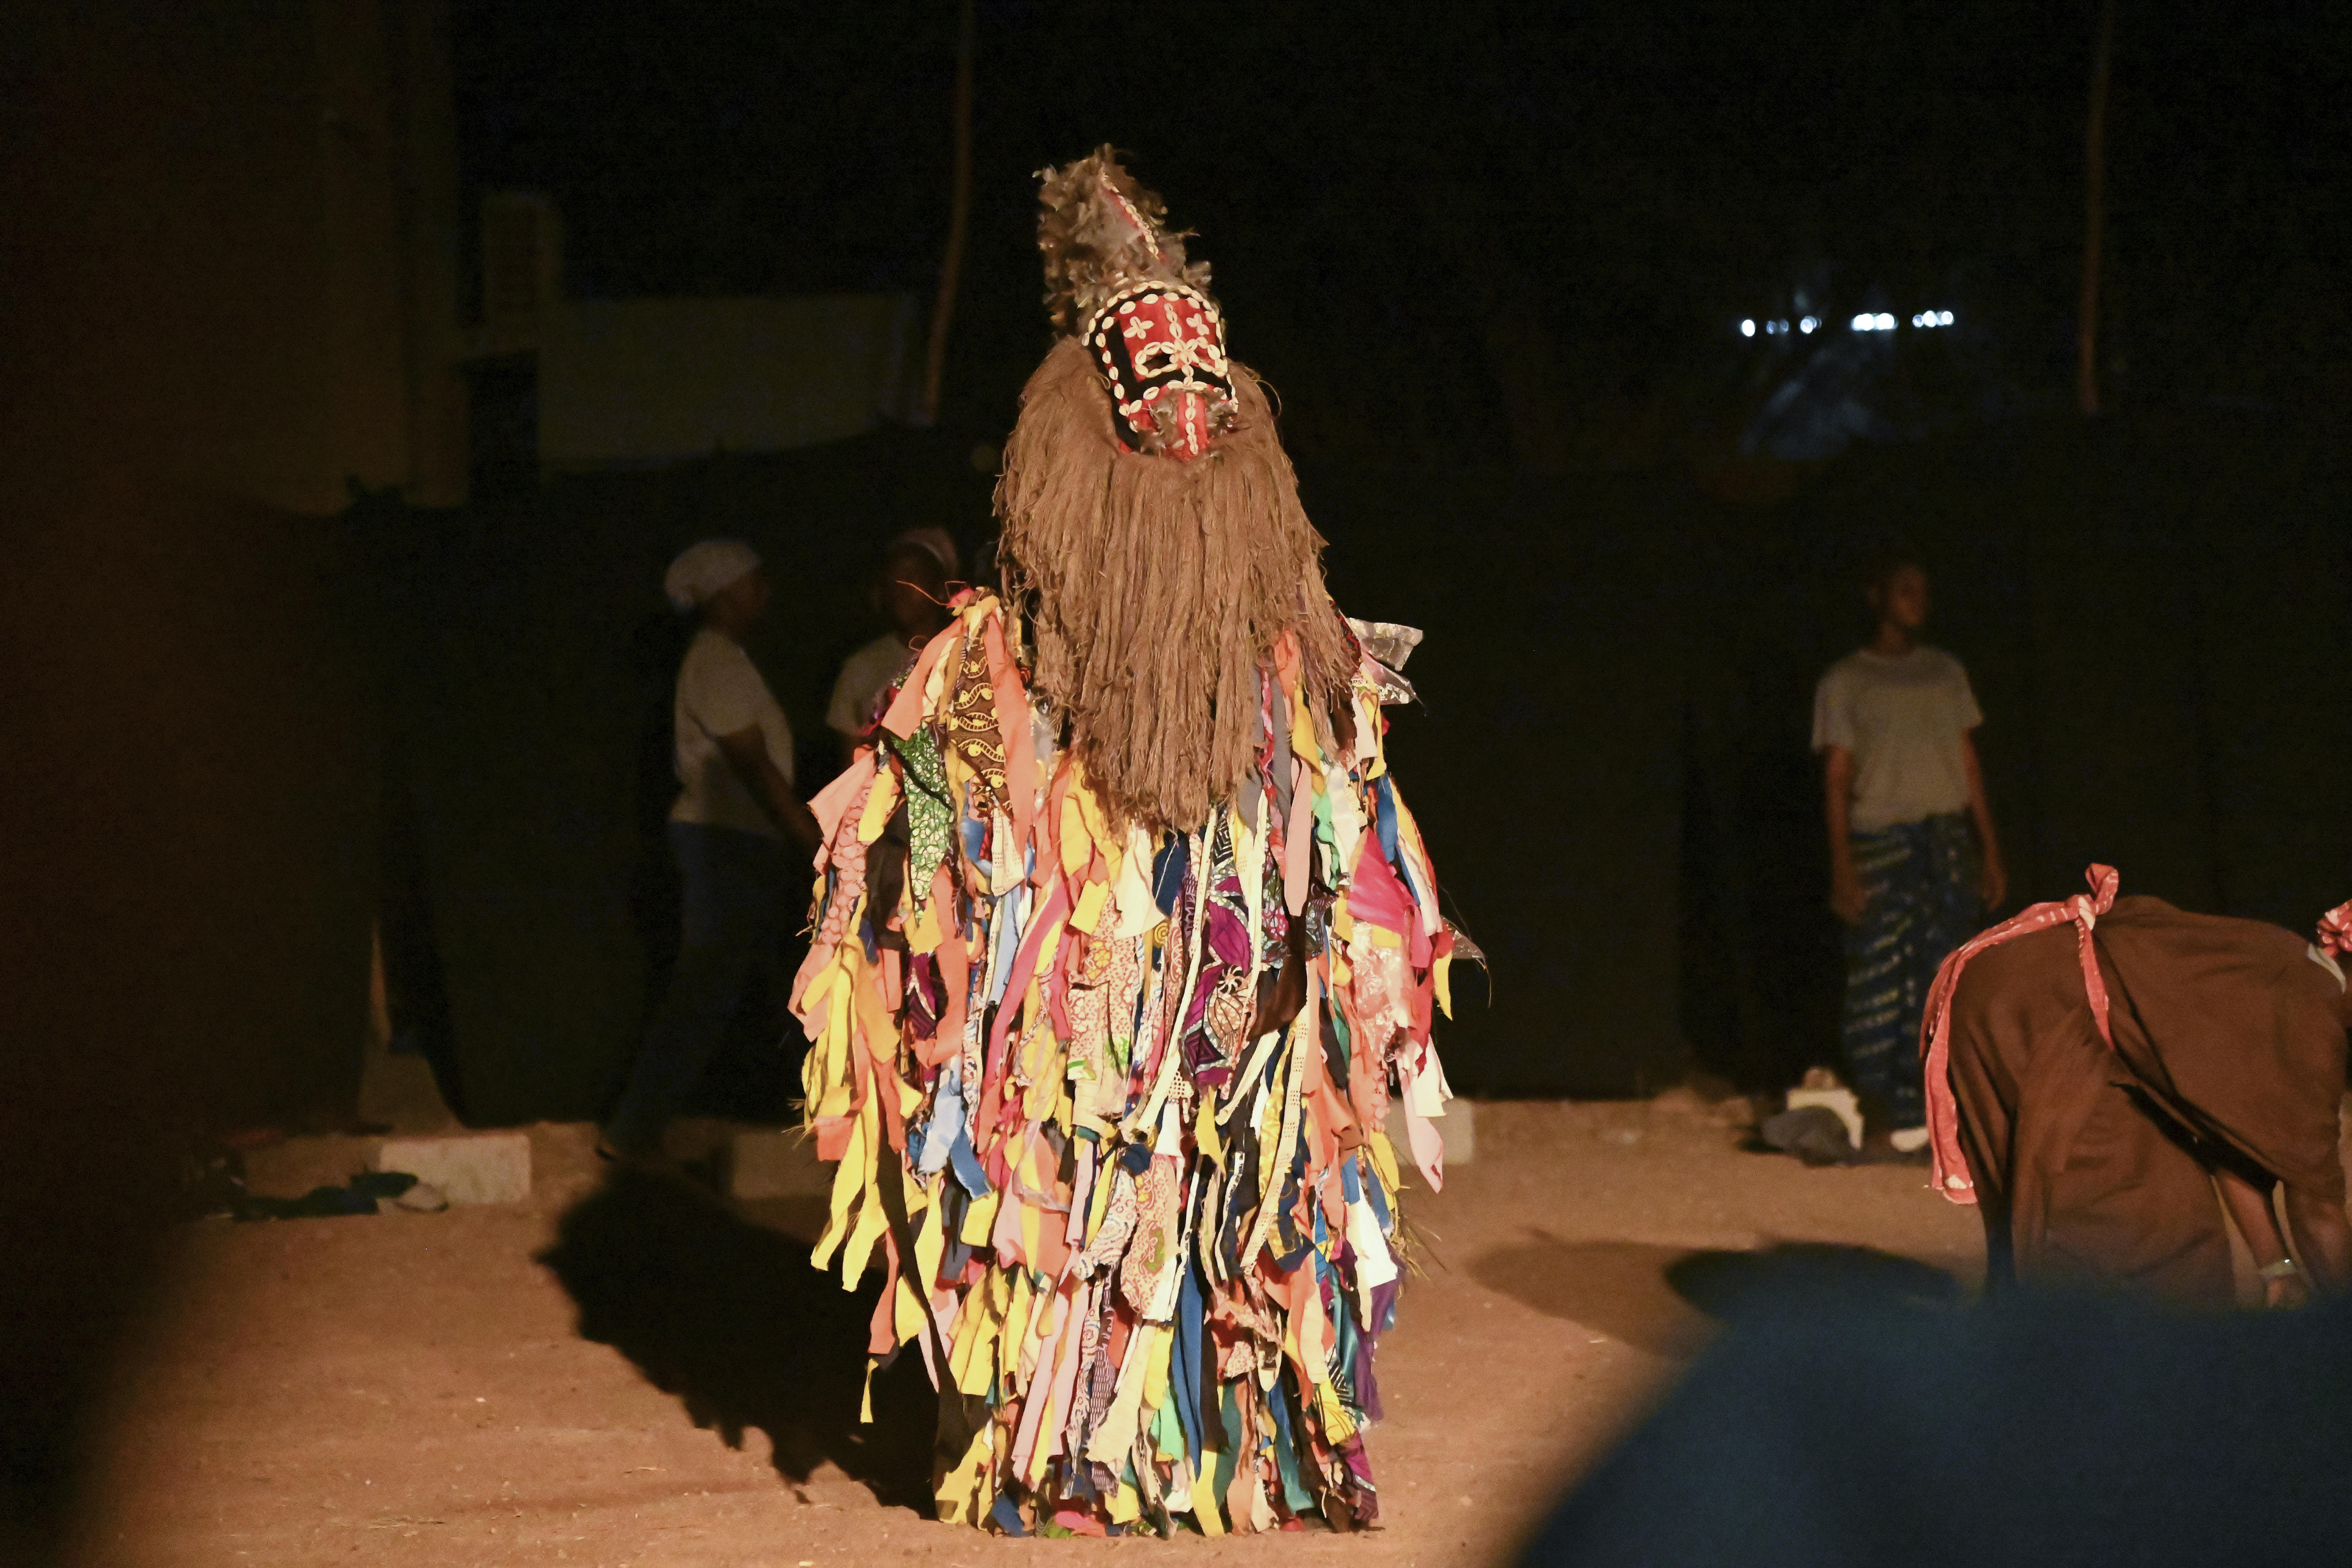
1919, 885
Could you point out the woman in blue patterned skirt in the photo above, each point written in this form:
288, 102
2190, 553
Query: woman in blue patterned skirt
1914, 861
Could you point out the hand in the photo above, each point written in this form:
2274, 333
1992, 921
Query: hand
1846, 895
1995, 882
2286, 1294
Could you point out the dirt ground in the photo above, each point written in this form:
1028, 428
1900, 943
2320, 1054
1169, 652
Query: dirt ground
425, 1389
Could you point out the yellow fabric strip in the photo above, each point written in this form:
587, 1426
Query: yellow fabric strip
848, 1181
1205, 1132
1384, 1158
972, 1356
923, 930
968, 1490
879, 805
1090, 907
1204, 1506
1114, 1435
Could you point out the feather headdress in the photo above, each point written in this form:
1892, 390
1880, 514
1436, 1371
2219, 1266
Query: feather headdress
1102, 232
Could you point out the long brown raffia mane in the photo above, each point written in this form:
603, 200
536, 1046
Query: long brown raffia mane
1091, 245
1154, 591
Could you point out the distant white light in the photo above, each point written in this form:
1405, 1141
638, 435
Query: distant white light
1943, 317
1885, 322
1865, 323
1809, 323
1924, 321
1747, 329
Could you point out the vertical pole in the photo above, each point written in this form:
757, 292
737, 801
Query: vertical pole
958, 212
2095, 170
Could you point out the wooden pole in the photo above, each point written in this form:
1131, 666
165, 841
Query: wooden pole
2095, 172
935, 363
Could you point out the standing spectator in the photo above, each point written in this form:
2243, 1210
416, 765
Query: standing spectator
910, 592
742, 837
1894, 723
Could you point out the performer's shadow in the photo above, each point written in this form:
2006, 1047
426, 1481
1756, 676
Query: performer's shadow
732, 1319
1671, 1300
1729, 1285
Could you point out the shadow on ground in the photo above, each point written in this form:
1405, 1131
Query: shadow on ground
1613, 1288
732, 1319
1669, 1300
1729, 1285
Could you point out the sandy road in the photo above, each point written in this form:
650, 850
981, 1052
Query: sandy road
418, 1389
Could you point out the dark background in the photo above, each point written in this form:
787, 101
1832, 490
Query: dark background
1491, 257
1479, 233
1610, 757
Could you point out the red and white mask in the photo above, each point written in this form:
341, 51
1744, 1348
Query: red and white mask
1161, 348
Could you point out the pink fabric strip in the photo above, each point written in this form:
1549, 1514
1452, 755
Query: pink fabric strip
1951, 1165
1024, 969
906, 714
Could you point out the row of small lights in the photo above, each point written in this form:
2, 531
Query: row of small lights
1865, 322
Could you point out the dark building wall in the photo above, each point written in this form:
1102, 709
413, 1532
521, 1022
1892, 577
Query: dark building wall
1612, 757
517, 651
2146, 607
185, 792
204, 330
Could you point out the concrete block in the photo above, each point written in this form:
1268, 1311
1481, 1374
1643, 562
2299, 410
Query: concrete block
1458, 1128
469, 1168
776, 1164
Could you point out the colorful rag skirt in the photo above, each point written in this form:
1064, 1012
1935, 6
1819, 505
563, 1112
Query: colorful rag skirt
1919, 886
1144, 1252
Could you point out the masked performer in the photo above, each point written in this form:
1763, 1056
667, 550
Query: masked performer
1126, 940
2098, 1067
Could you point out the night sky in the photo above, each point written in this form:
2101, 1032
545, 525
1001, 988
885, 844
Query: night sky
1509, 224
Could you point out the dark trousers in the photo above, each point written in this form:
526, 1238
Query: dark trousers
736, 913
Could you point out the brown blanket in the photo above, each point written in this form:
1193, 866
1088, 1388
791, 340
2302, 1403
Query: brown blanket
2091, 1165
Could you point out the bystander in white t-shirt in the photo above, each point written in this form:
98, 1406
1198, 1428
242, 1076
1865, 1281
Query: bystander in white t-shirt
719, 693
1903, 716
865, 675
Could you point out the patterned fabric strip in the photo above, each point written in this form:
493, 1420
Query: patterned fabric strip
971, 726
931, 818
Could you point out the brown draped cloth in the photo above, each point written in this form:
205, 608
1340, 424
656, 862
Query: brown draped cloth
2093, 1166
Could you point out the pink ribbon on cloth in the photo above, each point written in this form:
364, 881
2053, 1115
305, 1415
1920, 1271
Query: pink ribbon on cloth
2336, 930
1951, 1165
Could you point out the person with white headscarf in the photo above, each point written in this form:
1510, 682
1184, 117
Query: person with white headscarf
740, 831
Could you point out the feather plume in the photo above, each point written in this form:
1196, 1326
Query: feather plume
1101, 231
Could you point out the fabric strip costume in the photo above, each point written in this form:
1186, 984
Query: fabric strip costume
1125, 942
